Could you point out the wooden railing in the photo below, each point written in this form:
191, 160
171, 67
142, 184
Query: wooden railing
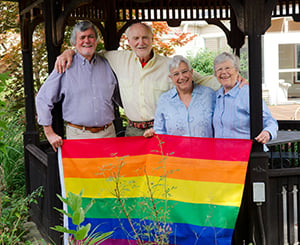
43, 171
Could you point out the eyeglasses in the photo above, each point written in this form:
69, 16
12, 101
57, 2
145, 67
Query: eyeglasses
177, 74
226, 69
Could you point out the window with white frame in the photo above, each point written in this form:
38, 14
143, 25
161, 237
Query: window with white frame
289, 62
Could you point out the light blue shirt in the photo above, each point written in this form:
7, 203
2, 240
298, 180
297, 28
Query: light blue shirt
87, 89
232, 115
173, 118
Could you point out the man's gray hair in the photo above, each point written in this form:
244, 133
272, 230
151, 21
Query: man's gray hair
149, 28
225, 56
176, 60
81, 27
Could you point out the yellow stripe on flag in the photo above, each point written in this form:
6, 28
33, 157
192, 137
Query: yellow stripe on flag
226, 194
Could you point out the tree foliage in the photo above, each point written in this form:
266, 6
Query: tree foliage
9, 17
11, 55
202, 62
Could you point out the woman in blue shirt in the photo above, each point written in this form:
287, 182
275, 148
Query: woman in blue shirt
187, 108
232, 112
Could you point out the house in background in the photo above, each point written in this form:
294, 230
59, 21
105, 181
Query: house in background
282, 59
208, 36
281, 55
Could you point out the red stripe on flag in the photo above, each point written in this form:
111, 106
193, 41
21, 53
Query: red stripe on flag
178, 146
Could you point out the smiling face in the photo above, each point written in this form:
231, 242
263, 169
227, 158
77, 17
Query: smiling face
86, 43
140, 40
182, 78
226, 75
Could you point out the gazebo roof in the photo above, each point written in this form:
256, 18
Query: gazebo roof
156, 10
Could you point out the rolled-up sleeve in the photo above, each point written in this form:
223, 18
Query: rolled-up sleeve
269, 123
49, 93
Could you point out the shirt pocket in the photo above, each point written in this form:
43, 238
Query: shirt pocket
128, 91
157, 88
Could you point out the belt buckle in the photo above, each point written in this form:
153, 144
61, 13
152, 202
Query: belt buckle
93, 130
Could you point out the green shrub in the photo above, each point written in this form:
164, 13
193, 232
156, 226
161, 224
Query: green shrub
203, 62
13, 215
12, 152
13, 203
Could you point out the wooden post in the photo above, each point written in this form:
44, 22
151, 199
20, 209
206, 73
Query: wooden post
31, 134
53, 187
254, 21
52, 9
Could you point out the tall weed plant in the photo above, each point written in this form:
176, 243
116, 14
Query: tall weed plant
148, 216
11, 151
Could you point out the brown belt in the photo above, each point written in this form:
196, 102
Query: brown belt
91, 129
141, 125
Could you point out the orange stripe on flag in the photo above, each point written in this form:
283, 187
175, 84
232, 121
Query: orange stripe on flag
152, 165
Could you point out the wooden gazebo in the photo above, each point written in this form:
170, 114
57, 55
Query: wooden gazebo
257, 223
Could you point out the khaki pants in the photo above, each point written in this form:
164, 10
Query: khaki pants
132, 131
75, 133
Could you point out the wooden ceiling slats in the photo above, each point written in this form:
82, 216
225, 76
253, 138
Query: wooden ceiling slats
137, 12
168, 10
215, 9
163, 10
286, 8
143, 12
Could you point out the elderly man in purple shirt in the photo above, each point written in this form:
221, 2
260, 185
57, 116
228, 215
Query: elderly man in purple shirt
88, 89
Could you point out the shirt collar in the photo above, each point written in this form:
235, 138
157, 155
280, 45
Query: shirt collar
233, 92
174, 93
84, 60
150, 62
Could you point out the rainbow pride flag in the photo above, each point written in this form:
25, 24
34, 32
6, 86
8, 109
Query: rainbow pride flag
166, 189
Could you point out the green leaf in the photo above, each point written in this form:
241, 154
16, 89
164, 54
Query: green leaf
87, 207
3, 125
3, 77
78, 216
62, 199
97, 238
63, 212
82, 232
63, 229
74, 200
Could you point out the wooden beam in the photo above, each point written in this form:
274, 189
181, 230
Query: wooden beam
31, 6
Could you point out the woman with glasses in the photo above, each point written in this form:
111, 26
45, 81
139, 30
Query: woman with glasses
187, 108
232, 112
